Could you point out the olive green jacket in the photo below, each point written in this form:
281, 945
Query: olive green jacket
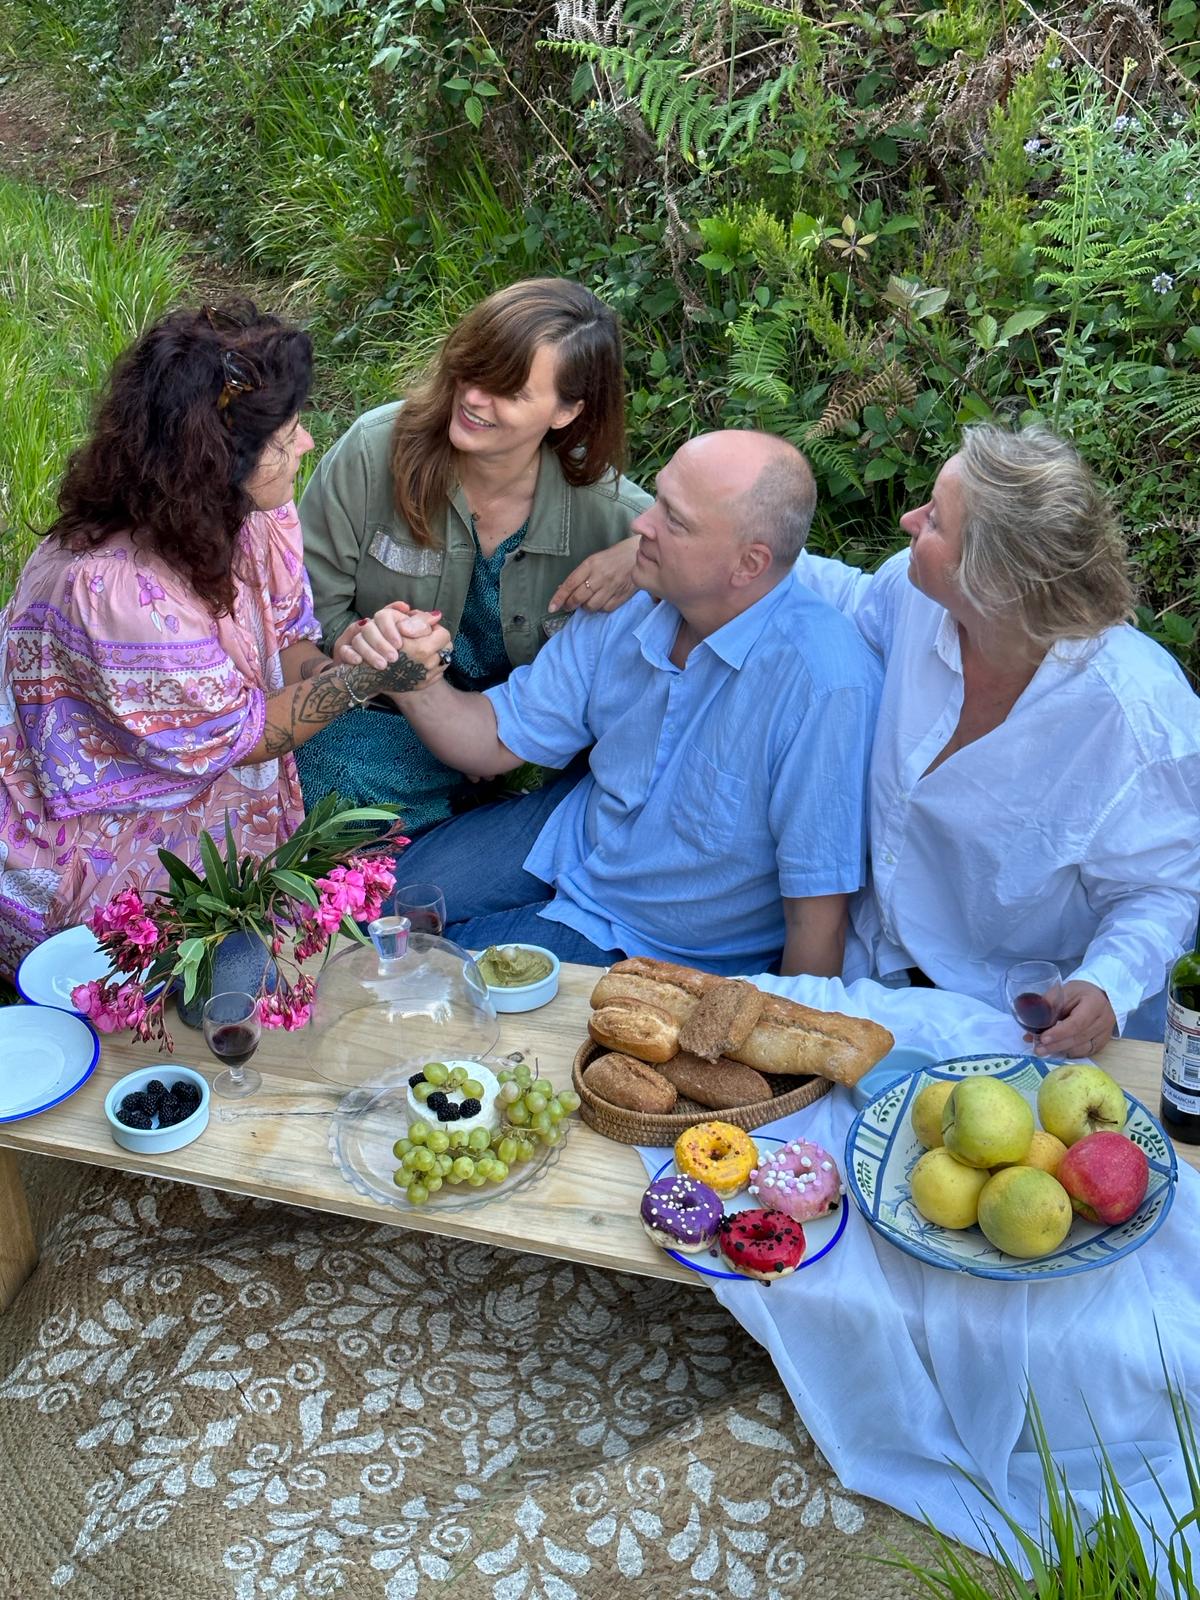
361, 555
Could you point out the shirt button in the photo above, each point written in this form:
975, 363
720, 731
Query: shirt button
519, 621
518, 555
890, 859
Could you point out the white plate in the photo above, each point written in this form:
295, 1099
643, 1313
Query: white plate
45, 1055
819, 1236
61, 963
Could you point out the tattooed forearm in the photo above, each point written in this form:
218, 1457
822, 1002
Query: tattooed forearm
317, 699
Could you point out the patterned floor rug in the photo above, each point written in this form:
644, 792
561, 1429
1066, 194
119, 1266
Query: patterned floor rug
222, 1399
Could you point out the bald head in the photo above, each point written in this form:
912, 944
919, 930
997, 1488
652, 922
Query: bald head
761, 482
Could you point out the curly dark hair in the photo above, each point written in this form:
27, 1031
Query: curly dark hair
178, 430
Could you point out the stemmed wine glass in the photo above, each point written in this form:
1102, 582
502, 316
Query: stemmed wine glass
423, 904
232, 1031
1034, 990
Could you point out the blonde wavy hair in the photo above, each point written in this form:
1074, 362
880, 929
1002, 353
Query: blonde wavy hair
1040, 540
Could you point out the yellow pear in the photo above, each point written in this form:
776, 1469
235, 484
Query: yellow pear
927, 1111
946, 1191
1045, 1153
1025, 1212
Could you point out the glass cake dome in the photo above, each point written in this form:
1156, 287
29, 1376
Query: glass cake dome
405, 999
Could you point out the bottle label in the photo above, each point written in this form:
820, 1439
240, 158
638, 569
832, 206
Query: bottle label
1181, 1058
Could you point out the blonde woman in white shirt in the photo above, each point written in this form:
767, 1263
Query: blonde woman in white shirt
1035, 782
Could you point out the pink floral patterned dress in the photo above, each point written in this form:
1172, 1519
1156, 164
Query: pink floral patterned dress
126, 713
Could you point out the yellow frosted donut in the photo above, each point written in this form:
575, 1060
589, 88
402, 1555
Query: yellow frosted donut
718, 1154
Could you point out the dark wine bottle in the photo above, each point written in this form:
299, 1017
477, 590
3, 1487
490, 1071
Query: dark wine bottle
1180, 1104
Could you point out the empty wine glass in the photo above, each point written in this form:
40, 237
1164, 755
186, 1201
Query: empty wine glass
232, 1031
1035, 995
423, 904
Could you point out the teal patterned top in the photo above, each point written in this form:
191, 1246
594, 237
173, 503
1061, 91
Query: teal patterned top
373, 757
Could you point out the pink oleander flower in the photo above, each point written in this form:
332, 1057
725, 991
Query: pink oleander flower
111, 1009
123, 909
290, 1006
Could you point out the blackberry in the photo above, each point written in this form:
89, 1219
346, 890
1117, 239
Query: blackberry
448, 1113
417, 1077
469, 1108
186, 1092
135, 1116
437, 1100
170, 1111
154, 1091
136, 1101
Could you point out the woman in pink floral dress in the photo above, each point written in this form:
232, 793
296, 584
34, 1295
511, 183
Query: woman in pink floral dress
159, 657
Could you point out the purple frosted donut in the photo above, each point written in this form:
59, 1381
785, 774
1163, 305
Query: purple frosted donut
681, 1213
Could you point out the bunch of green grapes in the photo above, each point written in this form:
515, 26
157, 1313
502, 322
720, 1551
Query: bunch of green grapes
432, 1156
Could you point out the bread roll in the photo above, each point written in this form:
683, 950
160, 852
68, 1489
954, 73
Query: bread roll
787, 1038
624, 1081
718, 1084
721, 1020
645, 1031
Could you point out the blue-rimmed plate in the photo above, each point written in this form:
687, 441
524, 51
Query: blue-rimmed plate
882, 1150
48, 974
45, 1055
819, 1236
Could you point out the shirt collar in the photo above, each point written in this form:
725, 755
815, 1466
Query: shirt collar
732, 642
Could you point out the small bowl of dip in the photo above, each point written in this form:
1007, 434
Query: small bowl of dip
519, 977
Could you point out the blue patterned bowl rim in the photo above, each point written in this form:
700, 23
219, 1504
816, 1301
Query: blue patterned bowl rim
1155, 1206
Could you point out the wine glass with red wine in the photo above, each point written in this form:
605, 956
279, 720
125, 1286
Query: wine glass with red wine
232, 1031
1034, 990
423, 904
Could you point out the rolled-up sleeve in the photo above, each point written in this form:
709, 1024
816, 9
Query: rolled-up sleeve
542, 710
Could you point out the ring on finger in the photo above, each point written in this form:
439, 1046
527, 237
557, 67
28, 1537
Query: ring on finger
445, 656
587, 583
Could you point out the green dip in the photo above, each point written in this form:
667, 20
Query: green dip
509, 966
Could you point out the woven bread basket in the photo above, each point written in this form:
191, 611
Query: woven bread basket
788, 1094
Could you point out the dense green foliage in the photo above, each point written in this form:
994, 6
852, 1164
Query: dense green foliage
858, 224
74, 290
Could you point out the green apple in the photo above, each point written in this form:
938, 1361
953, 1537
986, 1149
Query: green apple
945, 1191
1078, 1099
986, 1122
927, 1112
1025, 1212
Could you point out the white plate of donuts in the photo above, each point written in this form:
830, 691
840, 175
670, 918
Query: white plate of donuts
730, 1206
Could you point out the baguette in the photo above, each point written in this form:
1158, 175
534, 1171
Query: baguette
641, 1030
626, 1082
719, 1084
788, 1038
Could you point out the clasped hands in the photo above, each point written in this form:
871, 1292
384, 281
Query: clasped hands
393, 631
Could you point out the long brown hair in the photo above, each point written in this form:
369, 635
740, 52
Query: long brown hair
493, 346
180, 427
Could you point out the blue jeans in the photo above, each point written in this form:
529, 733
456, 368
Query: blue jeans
476, 861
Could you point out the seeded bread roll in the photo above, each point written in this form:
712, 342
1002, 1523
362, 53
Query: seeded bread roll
722, 1019
624, 1081
644, 1031
787, 1038
719, 1084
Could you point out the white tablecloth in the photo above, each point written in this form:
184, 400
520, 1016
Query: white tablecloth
899, 1369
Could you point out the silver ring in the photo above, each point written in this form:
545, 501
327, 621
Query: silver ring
445, 656
587, 583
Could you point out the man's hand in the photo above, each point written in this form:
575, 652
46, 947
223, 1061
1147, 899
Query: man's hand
601, 583
1085, 1026
379, 640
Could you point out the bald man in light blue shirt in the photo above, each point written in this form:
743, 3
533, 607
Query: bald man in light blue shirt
720, 820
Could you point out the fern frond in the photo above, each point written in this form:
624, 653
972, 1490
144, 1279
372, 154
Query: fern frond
761, 353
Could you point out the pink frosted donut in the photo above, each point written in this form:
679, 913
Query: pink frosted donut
800, 1179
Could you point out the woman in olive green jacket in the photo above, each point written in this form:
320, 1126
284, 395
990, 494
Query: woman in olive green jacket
490, 495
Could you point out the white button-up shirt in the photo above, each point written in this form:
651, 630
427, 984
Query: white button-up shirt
1070, 833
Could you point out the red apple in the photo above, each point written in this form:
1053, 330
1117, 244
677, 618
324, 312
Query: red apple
1106, 1176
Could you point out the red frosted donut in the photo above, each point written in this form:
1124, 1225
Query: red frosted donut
762, 1244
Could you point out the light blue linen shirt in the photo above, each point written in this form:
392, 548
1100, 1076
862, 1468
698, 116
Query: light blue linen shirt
714, 789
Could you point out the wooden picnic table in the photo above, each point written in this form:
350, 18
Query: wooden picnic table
276, 1145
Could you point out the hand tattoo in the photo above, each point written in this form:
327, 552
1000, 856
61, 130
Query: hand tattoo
320, 698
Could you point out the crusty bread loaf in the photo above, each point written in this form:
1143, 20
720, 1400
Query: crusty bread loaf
787, 1038
718, 1084
721, 1019
645, 1031
624, 1081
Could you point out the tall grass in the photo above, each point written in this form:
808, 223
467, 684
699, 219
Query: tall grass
75, 288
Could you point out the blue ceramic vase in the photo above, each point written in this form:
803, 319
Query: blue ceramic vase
240, 962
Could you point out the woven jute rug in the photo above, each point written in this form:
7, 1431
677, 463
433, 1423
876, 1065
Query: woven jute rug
220, 1399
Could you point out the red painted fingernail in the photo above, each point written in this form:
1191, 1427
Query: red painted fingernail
361, 623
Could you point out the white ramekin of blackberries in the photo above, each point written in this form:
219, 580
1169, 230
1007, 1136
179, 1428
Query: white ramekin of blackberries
157, 1109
